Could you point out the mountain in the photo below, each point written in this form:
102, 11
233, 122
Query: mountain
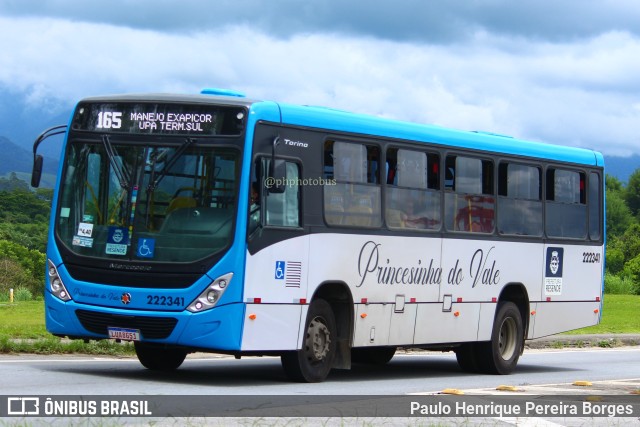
18, 159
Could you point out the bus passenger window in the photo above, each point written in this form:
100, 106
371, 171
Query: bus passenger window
354, 199
519, 200
566, 210
412, 202
469, 201
595, 215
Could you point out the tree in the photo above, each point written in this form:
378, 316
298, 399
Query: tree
632, 194
613, 184
619, 216
31, 265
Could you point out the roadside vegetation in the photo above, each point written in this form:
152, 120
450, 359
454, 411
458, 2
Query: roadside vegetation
24, 220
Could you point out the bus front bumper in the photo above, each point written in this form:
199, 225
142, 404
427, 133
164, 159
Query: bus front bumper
219, 328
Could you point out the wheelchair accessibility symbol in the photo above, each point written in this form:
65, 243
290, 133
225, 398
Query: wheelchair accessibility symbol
280, 267
146, 248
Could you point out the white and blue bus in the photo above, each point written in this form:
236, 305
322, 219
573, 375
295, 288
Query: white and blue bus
222, 224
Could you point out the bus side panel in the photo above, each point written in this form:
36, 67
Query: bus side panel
402, 328
554, 317
276, 293
478, 270
532, 320
271, 327
485, 325
278, 273
372, 324
433, 325
378, 269
572, 272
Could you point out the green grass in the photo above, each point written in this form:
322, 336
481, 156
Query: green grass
620, 315
22, 328
23, 319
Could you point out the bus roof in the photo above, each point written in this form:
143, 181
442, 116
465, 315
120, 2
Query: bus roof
325, 118
166, 97
342, 121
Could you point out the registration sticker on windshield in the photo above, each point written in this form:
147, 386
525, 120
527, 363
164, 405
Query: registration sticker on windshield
117, 241
115, 249
85, 242
124, 334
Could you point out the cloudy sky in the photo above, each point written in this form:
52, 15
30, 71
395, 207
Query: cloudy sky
565, 72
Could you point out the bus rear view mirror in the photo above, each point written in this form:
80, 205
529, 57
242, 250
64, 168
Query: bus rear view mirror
38, 160
36, 173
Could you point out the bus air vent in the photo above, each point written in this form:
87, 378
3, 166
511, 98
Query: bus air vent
150, 327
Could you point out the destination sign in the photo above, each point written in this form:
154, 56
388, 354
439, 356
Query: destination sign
168, 119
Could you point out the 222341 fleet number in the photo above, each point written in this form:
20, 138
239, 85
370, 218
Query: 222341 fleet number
164, 300
590, 257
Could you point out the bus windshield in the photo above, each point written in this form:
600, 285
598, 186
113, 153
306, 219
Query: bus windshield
170, 201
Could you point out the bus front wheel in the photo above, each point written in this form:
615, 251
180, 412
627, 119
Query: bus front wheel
159, 358
314, 360
501, 354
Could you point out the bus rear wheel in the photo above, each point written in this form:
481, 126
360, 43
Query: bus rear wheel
501, 354
314, 360
157, 358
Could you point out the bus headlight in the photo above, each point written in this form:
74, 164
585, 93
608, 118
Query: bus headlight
208, 299
212, 296
55, 283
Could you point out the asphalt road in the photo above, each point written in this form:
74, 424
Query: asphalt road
202, 374
213, 380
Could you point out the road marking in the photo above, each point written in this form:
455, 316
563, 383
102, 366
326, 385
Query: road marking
604, 387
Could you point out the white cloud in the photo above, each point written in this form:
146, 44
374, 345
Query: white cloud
579, 93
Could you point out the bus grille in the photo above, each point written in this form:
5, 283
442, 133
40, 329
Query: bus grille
150, 327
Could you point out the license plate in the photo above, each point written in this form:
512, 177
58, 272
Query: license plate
124, 334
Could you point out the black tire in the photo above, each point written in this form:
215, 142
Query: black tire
467, 358
500, 355
157, 358
372, 355
314, 360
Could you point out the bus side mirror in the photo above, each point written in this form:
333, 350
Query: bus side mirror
36, 173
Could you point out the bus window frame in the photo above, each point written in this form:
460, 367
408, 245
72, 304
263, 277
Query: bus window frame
451, 190
379, 185
428, 150
541, 195
552, 202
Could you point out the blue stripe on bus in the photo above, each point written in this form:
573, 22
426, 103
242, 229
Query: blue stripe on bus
325, 118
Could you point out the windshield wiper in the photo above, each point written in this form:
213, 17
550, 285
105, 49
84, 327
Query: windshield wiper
153, 183
121, 171
155, 180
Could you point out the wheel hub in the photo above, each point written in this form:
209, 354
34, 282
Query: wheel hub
318, 340
507, 338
